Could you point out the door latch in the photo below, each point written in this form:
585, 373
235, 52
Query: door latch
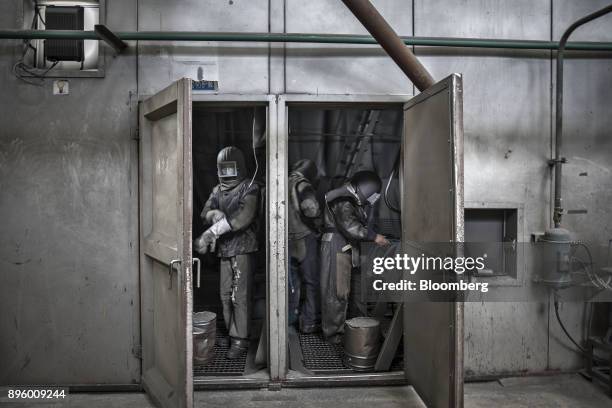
197, 262
171, 269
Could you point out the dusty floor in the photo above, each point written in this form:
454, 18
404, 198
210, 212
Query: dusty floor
559, 391
533, 392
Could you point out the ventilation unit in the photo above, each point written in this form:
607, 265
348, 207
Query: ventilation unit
64, 18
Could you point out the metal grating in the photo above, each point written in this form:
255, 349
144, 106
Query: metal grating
321, 357
64, 18
221, 366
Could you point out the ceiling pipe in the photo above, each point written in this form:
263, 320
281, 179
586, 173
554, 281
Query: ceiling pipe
558, 161
388, 39
302, 38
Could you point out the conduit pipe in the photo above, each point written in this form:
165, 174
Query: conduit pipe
198, 36
558, 159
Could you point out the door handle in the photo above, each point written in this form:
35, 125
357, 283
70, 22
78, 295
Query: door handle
197, 262
171, 269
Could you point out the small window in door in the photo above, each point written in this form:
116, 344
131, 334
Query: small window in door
493, 232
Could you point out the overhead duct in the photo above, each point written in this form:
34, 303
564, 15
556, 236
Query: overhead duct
371, 19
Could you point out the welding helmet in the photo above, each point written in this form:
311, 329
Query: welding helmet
366, 186
231, 167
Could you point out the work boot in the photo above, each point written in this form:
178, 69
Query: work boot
237, 348
223, 342
335, 339
309, 328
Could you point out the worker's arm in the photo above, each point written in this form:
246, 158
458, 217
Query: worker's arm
348, 223
211, 213
246, 212
309, 205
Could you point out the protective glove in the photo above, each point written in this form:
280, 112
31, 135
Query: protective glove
206, 240
220, 227
214, 216
210, 236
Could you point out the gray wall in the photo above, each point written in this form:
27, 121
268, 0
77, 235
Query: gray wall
68, 183
68, 235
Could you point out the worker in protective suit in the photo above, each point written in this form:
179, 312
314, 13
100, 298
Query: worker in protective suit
346, 226
232, 210
304, 213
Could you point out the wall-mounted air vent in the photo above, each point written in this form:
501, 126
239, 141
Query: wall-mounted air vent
64, 18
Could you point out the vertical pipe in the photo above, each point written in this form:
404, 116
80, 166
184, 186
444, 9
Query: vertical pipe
558, 160
371, 19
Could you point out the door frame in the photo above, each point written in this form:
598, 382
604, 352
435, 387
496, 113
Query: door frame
277, 260
255, 380
293, 378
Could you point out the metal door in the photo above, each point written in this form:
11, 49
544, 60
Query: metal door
432, 212
165, 254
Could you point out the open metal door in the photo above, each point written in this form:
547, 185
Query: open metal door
432, 212
165, 249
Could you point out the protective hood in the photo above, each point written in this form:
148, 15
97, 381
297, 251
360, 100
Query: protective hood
306, 168
366, 185
345, 191
231, 167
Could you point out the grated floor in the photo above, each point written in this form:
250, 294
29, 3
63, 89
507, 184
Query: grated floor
321, 357
219, 365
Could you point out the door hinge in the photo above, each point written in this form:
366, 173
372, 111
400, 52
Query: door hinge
137, 351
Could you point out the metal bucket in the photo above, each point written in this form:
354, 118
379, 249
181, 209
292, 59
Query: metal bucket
204, 335
361, 343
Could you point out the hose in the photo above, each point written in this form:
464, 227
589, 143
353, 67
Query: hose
593, 276
386, 193
569, 336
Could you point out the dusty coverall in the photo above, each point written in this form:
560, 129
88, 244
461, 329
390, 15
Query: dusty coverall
304, 213
236, 249
347, 223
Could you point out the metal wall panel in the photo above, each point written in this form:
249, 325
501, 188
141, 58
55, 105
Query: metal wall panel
507, 143
69, 182
240, 68
166, 186
587, 145
432, 212
342, 69
69, 235
516, 19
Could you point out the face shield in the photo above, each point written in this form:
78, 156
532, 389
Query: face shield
373, 198
227, 169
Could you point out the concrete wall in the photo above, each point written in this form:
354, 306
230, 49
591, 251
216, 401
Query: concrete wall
68, 183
